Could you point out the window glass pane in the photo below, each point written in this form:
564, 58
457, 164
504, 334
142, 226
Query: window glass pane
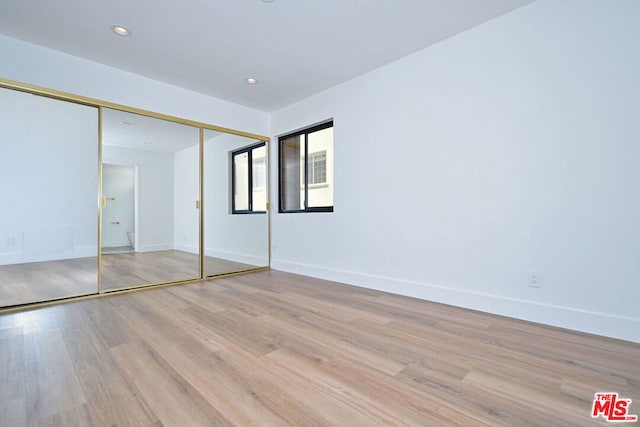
320, 168
259, 172
291, 174
241, 181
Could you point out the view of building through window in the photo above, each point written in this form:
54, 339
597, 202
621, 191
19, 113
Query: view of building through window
318, 168
319, 187
306, 170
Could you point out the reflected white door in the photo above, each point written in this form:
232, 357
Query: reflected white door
118, 214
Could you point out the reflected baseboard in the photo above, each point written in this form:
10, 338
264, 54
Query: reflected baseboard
117, 250
19, 257
238, 257
186, 248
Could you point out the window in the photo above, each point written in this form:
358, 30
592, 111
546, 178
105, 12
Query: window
318, 168
249, 179
306, 170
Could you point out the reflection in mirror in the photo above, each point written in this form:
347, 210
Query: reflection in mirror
150, 185
48, 186
236, 228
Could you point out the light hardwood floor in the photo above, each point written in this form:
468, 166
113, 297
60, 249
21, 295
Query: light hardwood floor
275, 349
44, 281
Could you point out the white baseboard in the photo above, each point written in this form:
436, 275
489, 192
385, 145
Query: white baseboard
238, 257
605, 324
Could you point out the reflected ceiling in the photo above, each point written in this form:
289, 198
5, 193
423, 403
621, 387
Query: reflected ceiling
123, 129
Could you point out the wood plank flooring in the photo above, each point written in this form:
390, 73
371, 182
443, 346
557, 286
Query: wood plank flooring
276, 349
44, 281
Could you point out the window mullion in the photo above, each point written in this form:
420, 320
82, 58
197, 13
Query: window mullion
234, 184
250, 186
306, 172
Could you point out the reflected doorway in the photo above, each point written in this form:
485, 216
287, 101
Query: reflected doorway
150, 215
119, 211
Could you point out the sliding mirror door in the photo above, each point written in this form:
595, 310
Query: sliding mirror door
150, 188
97, 199
236, 227
48, 188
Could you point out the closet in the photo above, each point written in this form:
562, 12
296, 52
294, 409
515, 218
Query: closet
99, 198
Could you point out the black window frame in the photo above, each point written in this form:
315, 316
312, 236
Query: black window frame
281, 139
249, 150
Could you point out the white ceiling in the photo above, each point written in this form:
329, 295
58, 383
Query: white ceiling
295, 48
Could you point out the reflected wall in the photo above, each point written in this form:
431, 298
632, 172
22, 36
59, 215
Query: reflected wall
234, 241
48, 187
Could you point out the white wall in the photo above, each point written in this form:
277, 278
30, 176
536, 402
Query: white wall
155, 194
28, 63
510, 148
240, 237
48, 179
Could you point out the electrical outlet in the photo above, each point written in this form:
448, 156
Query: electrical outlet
535, 279
11, 241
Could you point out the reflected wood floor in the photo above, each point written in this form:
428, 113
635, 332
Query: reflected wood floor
137, 268
44, 281
47, 280
276, 349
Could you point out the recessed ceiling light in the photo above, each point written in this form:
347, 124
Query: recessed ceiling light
251, 81
120, 30
125, 123
268, 1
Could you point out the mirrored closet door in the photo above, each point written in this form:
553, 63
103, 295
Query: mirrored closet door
48, 192
97, 198
236, 225
150, 200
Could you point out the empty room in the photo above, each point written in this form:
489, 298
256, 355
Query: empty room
319, 213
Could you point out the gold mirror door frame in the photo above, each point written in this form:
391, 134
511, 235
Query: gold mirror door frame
190, 203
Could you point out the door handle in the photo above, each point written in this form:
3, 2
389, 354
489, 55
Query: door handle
103, 200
